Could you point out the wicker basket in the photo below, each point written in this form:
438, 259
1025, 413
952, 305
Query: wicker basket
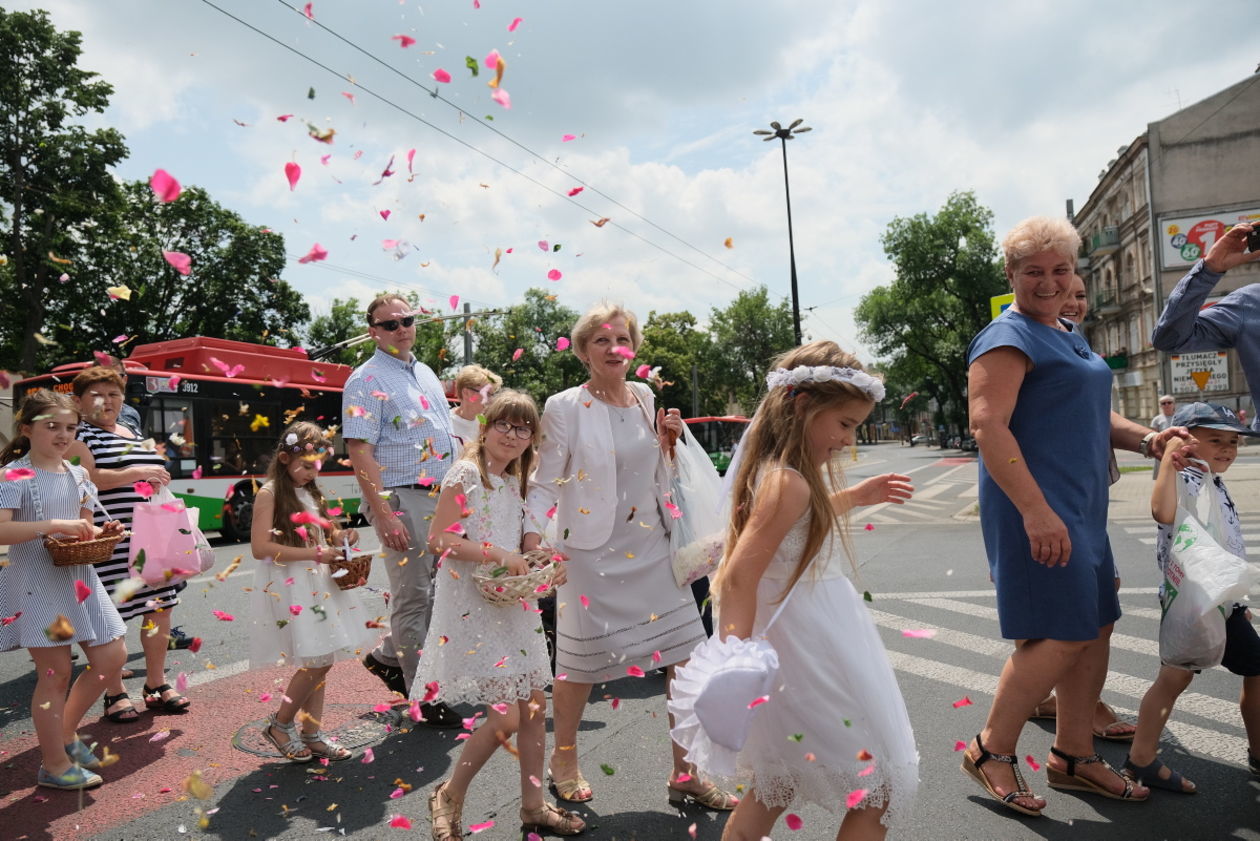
510, 589
70, 551
357, 572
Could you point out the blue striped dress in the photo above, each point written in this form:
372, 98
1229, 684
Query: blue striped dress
31, 586
117, 452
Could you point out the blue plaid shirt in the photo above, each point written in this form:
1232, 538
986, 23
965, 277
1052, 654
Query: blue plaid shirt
399, 407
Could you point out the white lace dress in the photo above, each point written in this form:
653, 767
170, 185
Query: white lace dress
477, 652
836, 695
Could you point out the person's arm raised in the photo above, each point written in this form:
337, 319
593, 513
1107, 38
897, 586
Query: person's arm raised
993, 383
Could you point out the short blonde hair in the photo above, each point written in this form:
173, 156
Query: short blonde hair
476, 378
596, 317
1038, 234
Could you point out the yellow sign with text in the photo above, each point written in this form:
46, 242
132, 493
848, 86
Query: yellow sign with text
999, 303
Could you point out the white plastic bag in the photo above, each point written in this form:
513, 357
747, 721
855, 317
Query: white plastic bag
698, 534
1201, 579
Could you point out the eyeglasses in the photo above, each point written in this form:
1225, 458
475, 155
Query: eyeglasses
392, 324
522, 432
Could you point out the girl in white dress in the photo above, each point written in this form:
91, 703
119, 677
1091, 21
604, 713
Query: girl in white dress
477, 652
835, 730
46, 608
300, 615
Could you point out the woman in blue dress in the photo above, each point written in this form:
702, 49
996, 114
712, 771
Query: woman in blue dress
1040, 406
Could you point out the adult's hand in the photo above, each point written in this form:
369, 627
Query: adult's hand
1179, 440
1231, 249
669, 426
1048, 537
390, 529
890, 487
152, 474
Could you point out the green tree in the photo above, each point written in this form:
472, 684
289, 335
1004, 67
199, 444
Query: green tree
672, 341
233, 290
344, 320
747, 334
946, 270
533, 327
54, 174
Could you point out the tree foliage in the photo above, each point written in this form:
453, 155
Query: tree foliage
673, 342
533, 327
747, 334
946, 270
54, 174
233, 290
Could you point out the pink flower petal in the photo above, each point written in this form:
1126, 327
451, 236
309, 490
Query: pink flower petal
164, 186
642, 371
492, 59
442, 76
292, 172
368, 756
385, 214
502, 97
454, 301
1032, 763
960, 746
964, 701
516, 354
869, 527
576, 190
143, 488
181, 261
757, 702
317, 252
295, 610
634, 671
624, 352
404, 41
480, 827
306, 10
400, 822
284, 118
181, 682
793, 821
584, 600
554, 274
223, 617
396, 793
568, 137
919, 633
515, 23
17, 474
855, 797
81, 591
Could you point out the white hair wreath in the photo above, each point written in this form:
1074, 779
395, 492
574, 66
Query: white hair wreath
793, 377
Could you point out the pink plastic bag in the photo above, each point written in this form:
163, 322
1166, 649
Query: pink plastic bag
166, 545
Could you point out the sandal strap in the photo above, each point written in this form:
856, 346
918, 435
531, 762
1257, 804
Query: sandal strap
986, 754
166, 687
1073, 761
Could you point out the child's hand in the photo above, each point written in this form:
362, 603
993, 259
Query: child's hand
890, 487
351, 536
561, 575
82, 529
111, 528
515, 563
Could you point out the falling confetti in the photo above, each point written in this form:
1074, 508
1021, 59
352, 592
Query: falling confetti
554, 274
442, 76
292, 172
964, 701
404, 41
181, 262
919, 633
317, 252
793, 821
855, 797
164, 186
81, 591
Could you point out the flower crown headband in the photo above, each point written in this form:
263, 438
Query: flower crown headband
792, 378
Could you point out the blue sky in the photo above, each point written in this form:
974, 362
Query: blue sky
1024, 103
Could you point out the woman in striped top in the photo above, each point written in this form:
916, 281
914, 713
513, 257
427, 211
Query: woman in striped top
116, 460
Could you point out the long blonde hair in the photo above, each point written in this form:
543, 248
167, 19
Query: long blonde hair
519, 409
301, 440
777, 437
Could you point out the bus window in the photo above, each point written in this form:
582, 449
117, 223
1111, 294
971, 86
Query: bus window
169, 422
242, 436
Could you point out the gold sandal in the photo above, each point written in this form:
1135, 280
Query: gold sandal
712, 798
550, 819
568, 790
329, 751
445, 815
291, 748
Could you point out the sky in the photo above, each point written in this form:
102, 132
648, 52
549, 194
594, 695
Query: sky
1024, 103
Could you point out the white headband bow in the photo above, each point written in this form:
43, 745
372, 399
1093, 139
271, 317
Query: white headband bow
793, 377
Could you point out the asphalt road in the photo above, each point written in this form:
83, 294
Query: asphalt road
924, 565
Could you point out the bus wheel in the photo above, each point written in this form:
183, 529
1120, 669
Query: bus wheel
238, 516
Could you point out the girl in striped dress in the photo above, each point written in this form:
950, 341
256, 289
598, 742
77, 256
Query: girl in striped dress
46, 608
119, 462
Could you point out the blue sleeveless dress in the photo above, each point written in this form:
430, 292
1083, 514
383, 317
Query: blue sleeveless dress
1062, 422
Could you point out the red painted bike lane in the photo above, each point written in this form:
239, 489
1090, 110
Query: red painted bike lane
157, 754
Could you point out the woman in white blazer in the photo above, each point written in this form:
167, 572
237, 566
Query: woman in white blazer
603, 478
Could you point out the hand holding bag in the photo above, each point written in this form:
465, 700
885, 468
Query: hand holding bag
1201, 578
166, 545
715, 696
698, 536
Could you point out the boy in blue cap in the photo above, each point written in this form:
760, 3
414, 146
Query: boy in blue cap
1216, 430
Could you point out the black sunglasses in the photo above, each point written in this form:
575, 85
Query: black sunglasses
392, 324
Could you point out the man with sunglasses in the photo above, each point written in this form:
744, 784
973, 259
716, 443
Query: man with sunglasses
397, 430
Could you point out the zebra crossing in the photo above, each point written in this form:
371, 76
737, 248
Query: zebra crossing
1144, 533
965, 652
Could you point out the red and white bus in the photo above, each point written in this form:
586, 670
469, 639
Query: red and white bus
215, 408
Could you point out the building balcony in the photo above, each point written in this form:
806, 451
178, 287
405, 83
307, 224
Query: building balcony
1105, 304
1118, 362
1105, 241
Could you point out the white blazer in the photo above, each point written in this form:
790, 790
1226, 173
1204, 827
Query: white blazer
577, 469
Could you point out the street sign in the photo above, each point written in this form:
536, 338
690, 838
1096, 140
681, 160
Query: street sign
999, 303
1200, 372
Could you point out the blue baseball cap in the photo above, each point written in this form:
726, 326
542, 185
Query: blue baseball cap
1211, 416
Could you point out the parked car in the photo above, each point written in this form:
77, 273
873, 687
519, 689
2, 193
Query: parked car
718, 436
920, 439
968, 444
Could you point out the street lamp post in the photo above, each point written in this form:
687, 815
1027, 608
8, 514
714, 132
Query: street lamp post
784, 135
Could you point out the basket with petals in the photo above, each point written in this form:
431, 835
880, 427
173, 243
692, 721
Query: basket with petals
70, 551
499, 588
357, 570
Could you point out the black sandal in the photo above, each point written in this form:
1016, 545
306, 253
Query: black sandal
971, 767
1148, 775
1069, 781
123, 716
153, 699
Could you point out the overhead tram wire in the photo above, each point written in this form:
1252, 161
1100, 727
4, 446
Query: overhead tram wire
434, 93
386, 101
391, 283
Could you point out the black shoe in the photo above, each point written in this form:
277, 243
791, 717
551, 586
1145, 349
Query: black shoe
391, 676
438, 714
178, 639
